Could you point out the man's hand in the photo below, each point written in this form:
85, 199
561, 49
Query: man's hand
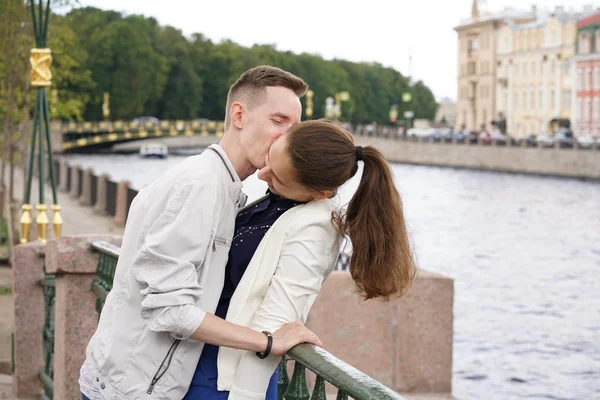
290, 335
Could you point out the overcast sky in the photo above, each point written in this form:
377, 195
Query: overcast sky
385, 31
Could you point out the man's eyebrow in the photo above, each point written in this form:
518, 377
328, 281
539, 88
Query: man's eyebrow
273, 172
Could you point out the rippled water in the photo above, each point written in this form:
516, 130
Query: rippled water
524, 253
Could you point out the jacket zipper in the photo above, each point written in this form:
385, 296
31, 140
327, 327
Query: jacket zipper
161, 372
218, 240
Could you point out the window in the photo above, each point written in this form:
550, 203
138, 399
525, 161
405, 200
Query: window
524, 103
472, 45
585, 43
596, 109
597, 78
580, 107
566, 67
553, 67
587, 78
597, 41
515, 101
533, 68
532, 100
524, 69
506, 45
541, 100
484, 122
580, 79
566, 101
586, 111
552, 100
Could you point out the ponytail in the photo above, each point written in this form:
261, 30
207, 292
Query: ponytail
382, 263
324, 157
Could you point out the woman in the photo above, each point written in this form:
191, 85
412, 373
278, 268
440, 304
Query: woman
286, 244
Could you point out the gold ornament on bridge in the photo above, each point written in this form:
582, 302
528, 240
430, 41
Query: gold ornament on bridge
40, 60
25, 223
57, 221
42, 222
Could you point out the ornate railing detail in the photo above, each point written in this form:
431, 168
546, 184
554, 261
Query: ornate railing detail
47, 372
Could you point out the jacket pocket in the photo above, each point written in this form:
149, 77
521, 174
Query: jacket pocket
164, 366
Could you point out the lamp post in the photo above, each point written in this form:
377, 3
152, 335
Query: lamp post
41, 79
407, 98
106, 106
309, 103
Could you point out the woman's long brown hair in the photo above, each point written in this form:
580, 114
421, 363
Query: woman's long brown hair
323, 155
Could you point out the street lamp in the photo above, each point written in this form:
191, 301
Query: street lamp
106, 106
41, 79
309, 103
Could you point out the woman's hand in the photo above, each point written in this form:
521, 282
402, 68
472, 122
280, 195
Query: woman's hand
290, 335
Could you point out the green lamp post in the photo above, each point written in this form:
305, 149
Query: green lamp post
41, 79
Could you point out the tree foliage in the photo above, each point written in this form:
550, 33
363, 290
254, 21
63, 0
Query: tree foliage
155, 70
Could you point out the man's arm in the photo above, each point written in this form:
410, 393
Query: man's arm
166, 268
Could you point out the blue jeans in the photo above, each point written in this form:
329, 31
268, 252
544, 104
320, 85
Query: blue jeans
83, 397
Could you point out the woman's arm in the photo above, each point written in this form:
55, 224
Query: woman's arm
308, 253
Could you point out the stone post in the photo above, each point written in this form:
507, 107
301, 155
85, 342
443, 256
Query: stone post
121, 205
75, 318
64, 170
86, 191
29, 308
100, 207
406, 344
74, 181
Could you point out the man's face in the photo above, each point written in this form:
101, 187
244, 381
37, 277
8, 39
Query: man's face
266, 122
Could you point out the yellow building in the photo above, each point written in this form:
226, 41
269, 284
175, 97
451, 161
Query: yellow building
476, 81
534, 70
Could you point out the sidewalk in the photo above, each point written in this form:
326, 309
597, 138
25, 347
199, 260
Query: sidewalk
77, 220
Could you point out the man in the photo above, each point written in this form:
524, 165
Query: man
170, 274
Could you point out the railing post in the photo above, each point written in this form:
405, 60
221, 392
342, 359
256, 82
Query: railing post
28, 297
121, 204
75, 317
74, 190
86, 191
100, 206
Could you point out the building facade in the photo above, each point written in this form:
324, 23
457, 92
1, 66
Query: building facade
476, 81
587, 77
535, 71
446, 113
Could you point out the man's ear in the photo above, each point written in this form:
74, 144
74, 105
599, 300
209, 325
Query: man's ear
236, 112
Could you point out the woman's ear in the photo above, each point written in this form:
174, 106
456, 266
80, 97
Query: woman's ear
323, 194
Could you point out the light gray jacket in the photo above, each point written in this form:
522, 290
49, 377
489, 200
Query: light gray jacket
169, 275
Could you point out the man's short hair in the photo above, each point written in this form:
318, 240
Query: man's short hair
251, 86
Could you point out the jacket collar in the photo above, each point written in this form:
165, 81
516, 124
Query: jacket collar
234, 184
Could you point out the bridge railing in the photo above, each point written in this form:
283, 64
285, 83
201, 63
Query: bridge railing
348, 380
84, 134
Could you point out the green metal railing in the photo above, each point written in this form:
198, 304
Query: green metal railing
107, 263
47, 372
327, 368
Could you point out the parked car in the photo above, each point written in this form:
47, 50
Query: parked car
564, 139
587, 141
529, 140
545, 140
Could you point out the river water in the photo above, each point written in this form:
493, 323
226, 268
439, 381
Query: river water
524, 253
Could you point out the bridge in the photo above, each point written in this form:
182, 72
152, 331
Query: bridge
105, 133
